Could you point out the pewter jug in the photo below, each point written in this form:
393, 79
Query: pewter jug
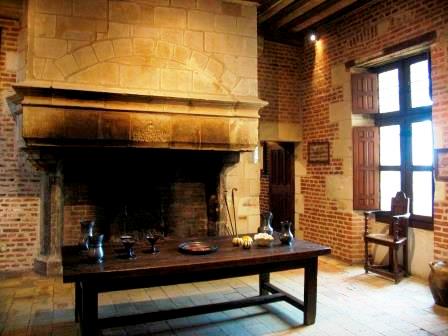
86, 233
285, 235
96, 252
266, 223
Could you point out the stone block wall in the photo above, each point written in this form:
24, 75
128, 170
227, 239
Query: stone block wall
19, 181
180, 48
245, 177
327, 215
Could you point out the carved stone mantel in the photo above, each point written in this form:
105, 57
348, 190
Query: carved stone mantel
61, 116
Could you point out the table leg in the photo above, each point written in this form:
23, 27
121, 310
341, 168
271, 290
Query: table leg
310, 292
78, 302
89, 310
263, 278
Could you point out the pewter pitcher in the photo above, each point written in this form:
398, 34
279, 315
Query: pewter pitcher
86, 233
266, 223
96, 251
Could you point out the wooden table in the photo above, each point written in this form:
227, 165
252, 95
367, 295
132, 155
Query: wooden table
171, 267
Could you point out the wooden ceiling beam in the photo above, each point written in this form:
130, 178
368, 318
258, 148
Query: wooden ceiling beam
297, 13
265, 5
309, 14
321, 15
273, 9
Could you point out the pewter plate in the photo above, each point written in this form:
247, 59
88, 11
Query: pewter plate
197, 247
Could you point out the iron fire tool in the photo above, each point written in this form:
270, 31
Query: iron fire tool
228, 212
234, 211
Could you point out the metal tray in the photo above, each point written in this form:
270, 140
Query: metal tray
197, 247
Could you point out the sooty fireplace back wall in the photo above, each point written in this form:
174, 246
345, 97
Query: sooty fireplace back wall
133, 190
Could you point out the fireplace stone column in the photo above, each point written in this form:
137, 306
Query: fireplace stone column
48, 261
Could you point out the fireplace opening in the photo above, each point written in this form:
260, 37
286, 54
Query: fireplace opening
134, 190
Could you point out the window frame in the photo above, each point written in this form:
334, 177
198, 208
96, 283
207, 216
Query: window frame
405, 117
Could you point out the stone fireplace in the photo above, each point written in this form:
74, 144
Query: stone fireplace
132, 191
139, 114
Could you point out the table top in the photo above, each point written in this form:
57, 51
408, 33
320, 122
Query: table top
169, 261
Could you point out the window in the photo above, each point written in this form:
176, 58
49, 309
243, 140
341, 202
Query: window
405, 125
403, 118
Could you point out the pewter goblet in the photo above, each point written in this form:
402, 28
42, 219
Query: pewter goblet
128, 242
152, 237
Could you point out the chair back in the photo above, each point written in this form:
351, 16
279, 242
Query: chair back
399, 204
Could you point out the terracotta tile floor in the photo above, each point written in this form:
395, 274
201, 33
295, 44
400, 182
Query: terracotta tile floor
349, 303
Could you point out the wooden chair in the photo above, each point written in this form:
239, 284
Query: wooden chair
396, 237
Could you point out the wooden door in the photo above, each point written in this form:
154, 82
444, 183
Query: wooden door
281, 183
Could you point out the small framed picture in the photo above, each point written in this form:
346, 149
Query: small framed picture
319, 152
441, 162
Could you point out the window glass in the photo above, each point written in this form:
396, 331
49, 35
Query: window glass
420, 84
422, 143
390, 185
390, 145
406, 136
389, 100
422, 193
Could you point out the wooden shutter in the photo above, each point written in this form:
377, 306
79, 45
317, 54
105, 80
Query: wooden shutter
366, 154
365, 93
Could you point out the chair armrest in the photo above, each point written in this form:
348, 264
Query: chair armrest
376, 212
367, 215
404, 216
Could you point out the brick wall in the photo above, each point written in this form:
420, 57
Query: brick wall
278, 81
264, 192
327, 217
19, 182
187, 215
439, 68
78, 206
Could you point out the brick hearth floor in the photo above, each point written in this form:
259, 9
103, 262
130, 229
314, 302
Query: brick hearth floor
349, 303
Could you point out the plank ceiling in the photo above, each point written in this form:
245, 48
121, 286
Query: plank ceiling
290, 20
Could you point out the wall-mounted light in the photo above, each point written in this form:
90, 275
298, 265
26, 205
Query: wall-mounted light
313, 37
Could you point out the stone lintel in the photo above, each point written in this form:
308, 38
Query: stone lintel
59, 116
280, 131
56, 126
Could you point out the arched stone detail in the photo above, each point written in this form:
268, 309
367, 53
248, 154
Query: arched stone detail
143, 63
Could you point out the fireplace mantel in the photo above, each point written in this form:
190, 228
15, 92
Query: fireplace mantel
69, 116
